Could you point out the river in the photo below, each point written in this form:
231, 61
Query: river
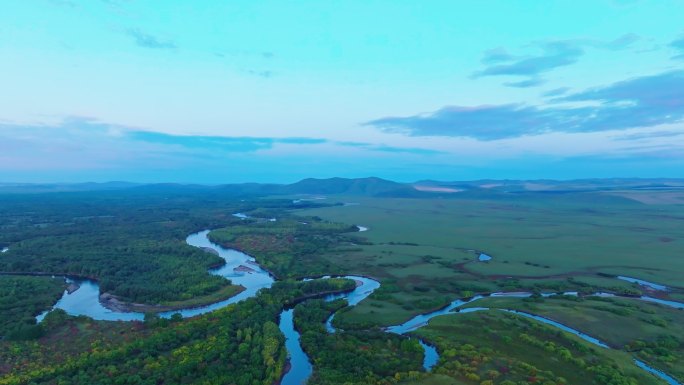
249, 274
423, 319
86, 300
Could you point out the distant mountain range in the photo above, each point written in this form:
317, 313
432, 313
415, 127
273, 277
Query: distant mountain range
372, 186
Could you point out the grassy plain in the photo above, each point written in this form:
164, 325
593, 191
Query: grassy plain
429, 247
500, 347
653, 332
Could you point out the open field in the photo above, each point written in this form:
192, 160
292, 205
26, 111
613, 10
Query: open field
499, 347
428, 247
653, 332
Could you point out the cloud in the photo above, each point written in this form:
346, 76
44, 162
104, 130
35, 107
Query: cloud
146, 40
262, 74
251, 144
531, 82
640, 102
622, 42
84, 149
678, 45
86, 143
554, 54
496, 55
556, 92
298, 140
208, 143
385, 148
404, 150
651, 135
486, 122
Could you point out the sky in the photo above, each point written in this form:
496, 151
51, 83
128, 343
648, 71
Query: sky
219, 91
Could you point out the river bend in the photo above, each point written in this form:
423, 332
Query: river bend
243, 270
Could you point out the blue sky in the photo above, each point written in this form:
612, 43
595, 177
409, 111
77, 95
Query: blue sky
234, 91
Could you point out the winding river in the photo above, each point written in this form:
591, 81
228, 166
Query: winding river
243, 270
422, 320
86, 299
641, 282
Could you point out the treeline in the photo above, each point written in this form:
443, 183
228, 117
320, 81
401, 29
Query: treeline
353, 356
21, 299
240, 345
133, 243
63, 337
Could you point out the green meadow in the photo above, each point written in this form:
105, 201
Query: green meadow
650, 331
495, 347
426, 249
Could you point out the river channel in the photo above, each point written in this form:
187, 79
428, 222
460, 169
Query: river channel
243, 270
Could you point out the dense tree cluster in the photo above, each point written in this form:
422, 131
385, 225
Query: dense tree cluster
21, 299
353, 356
240, 344
63, 338
289, 247
133, 243
664, 352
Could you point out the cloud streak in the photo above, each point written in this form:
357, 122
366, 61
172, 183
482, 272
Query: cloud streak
85, 143
146, 40
554, 54
251, 144
650, 135
218, 143
640, 102
266, 74
678, 45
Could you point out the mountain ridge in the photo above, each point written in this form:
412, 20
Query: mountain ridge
366, 186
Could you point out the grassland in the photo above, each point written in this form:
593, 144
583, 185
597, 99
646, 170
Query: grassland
508, 349
428, 248
652, 332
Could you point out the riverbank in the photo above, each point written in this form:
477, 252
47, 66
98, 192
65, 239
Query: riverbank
115, 304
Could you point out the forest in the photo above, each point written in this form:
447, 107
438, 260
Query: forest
290, 247
132, 243
21, 298
353, 356
240, 344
